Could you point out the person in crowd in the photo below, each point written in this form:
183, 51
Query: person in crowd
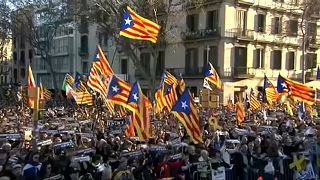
32, 169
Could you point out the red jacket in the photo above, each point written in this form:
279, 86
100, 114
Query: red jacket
167, 167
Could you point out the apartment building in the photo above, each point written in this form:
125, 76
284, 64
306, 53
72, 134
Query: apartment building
243, 39
5, 62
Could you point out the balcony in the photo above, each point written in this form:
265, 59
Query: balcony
241, 34
239, 72
200, 34
191, 4
197, 72
246, 2
314, 43
311, 74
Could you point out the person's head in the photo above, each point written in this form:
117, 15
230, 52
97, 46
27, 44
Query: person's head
191, 150
96, 159
17, 170
244, 148
74, 171
244, 140
35, 157
204, 154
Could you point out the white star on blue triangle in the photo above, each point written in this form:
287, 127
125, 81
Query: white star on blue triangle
114, 87
134, 94
127, 21
183, 104
281, 84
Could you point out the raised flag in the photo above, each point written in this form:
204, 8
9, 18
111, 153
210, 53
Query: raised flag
240, 113
79, 84
207, 85
212, 76
136, 104
68, 80
270, 92
254, 103
181, 84
136, 27
84, 98
44, 92
31, 84
95, 82
105, 68
187, 114
298, 91
166, 95
301, 111
130, 127
118, 91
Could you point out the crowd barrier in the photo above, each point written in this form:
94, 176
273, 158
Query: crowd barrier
250, 172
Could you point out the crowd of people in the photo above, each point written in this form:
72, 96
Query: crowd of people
90, 143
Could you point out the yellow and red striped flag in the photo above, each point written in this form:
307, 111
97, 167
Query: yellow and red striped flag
94, 80
270, 92
298, 91
31, 84
134, 26
118, 91
166, 96
254, 102
104, 68
130, 130
212, 76
240, 113
186, 112
138, 105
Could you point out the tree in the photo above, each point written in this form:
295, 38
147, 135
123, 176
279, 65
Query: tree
38, 21
108, 15
310, 13
4, 28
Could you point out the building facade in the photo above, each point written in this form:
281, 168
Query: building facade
243, 39
6, 62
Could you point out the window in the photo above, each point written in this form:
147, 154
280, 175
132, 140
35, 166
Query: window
145, 61
23, 72
212, 19
192, 22
311, 60
258, 59
241, 19
84, 44
276, 25
191, 64
160, 63
312, 29
293, 28
290, 60
30, 54
261, 22
276, 59
22, 58
124, 66
85, 67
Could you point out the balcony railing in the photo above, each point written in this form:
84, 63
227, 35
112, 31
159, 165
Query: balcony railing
240, 33
247, 2
201, 34
311, 74
239, 72
191, 4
